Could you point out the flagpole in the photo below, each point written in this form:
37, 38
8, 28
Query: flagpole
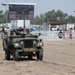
6, 14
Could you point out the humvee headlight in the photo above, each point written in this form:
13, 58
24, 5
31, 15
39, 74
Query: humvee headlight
34, 42
21, 42
40, 44
16, 44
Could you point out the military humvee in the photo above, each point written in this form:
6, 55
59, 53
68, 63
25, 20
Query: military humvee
22, 45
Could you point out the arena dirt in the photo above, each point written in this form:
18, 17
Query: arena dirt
59, 59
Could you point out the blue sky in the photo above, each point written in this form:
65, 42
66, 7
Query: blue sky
43, 6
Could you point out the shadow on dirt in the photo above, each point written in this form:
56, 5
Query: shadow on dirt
23, 59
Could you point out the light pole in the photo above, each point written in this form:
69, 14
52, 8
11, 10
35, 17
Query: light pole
74, 16
6, 14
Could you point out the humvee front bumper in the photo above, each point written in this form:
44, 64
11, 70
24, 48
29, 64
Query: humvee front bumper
28, 50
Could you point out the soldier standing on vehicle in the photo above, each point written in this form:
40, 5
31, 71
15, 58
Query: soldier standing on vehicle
27, 31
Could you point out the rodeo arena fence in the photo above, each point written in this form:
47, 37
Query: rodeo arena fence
56, 35
52, 35
69, 34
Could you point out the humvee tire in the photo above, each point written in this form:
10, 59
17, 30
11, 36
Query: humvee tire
16, 55
30, 57
8, 41
7, 55
40, 54
4, 45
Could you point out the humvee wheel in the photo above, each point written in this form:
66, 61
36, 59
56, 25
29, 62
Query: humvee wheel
40, 55
8, 41
15, 56
7, 55
30, 57
4, 45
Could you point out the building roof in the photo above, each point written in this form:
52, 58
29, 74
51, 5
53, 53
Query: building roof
56, 23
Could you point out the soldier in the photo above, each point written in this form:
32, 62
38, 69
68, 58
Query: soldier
27, 31
4, 31
70, 33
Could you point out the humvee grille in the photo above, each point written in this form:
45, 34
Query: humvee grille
28, 43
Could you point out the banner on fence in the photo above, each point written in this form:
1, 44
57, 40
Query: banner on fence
68, 33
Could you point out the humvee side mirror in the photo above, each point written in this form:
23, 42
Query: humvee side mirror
39, 34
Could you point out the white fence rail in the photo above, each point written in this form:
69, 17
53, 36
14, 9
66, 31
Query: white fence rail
53, 35
47, 34
67, 34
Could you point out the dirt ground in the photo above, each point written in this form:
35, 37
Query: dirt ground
59, 59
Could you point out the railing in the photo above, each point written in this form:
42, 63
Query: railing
54, 34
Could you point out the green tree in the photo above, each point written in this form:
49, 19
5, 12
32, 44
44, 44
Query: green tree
61, 16
53, 16
50, 16
70, 18
36, 21
1, 16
